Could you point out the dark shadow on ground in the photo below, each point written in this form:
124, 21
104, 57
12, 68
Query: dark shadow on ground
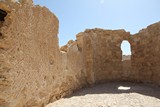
112, 88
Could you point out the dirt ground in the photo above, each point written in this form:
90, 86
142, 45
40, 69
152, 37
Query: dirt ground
116, 94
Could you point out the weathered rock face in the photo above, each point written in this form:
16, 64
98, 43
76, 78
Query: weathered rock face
34, 71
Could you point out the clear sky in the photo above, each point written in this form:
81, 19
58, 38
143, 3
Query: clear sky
77, 15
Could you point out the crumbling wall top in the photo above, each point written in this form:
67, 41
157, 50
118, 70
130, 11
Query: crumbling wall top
28, 2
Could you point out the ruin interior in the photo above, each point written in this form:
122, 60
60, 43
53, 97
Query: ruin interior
35, 71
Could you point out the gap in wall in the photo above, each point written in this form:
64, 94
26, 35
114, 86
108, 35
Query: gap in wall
126, 50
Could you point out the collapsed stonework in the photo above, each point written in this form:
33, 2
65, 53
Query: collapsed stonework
34, 71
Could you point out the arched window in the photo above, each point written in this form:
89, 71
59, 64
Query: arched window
126, 50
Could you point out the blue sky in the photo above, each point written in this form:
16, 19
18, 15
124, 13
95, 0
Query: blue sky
77, 15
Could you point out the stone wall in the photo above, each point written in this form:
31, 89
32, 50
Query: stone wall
146, 54
72, 68
33, 71
105, 53
29, 55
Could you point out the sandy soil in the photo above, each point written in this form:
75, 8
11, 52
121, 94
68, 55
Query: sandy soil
117, 94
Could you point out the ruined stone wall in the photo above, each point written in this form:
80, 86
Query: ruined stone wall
146, 54
29, 55
72, 67
34, 71
104, 55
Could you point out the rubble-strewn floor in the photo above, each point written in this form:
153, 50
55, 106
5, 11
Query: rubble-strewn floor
118, 94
